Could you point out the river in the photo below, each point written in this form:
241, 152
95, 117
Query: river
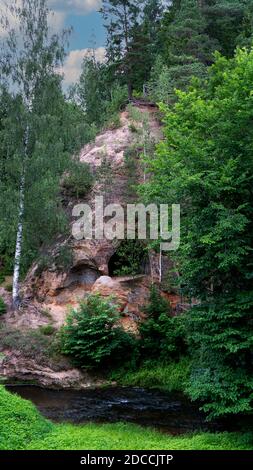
168, 412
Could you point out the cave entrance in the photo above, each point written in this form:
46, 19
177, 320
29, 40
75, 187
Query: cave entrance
83, 276
130, 259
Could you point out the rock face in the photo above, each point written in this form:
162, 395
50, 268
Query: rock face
48, 294
89, 271
17, 368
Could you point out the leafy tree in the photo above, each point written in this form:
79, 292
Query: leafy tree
39, 131
131, 258
205, 164
92, 91
98, 94
221, 339
92, 335
161, 334
28, 61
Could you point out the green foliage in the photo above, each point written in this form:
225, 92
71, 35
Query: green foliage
32, 344
221, 340
205, 164
92, 335
170, 376
100, 97
3, 307
20, 422
189, 34
226, 22
162, 336
131, 170
131, 258
8, 287
64, 258
23, 428
78, 181
47, 330
165, 79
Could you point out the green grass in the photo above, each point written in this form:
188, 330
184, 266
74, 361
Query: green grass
22, 427
170, 377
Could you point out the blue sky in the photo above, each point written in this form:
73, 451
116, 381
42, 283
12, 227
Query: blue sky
88, 31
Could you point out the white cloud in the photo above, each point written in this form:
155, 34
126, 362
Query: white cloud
73, 63
56, 18
60, 9
82, 7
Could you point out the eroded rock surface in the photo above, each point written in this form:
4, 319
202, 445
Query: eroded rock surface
48, 294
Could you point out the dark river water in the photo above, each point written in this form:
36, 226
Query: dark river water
168, 412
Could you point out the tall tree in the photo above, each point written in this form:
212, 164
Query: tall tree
225, 22
205, 163
28, 61
186, 49
121, 20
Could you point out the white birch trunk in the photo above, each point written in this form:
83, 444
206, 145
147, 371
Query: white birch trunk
19, 239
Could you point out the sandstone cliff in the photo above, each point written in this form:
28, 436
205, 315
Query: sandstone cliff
48, 294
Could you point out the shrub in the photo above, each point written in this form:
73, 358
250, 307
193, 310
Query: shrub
47, 330
113, 122
131, 258
92, 336
64, 258
3, 307
8, 287
173, 376
78, 182
162, 336
220, 340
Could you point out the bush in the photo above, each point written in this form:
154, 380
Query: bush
3, 307
32, 344
47, 330
162, 336
172, 377
221, 341
64, 258
78, 182
92, 336
131, 258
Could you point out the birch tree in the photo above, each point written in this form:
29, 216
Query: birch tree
29, 57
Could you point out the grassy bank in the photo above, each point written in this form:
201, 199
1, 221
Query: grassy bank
171, 377
22, 427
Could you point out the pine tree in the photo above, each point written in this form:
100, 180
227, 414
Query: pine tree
121, 18
225, 22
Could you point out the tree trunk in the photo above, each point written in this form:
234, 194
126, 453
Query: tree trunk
18, 250
19, 239
130, 90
